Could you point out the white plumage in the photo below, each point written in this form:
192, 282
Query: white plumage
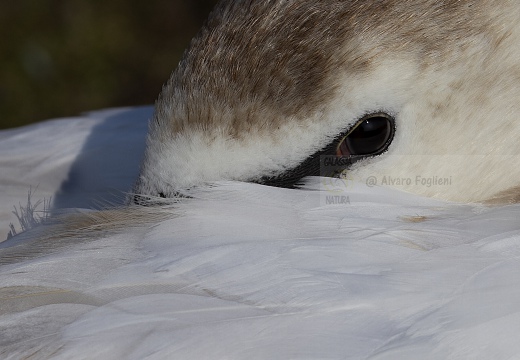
246, 271
337, 268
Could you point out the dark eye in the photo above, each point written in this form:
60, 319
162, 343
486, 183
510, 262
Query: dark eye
370, 136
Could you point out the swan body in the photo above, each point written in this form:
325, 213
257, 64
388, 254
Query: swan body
232, 269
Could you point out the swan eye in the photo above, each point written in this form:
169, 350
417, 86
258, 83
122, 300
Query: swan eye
370, 136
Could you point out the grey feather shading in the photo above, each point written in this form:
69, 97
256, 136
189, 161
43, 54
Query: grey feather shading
28, 216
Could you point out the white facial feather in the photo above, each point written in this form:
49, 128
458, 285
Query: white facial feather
237, 108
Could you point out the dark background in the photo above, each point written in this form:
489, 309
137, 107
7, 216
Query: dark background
63, 57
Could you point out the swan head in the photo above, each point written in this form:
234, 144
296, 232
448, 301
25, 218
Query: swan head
399, 91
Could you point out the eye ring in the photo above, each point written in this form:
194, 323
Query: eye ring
370, 136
